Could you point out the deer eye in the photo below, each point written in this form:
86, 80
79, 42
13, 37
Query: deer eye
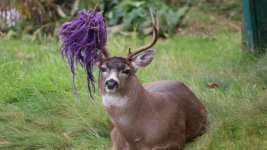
103, 69
127, 71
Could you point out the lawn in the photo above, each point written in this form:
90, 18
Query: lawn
39, 109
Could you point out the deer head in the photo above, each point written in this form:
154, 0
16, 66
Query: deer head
116, 72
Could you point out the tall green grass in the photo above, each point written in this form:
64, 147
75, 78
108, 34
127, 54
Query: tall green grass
39, 109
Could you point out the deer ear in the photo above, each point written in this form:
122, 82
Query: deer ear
143, 59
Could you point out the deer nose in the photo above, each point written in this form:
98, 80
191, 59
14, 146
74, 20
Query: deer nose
111, 84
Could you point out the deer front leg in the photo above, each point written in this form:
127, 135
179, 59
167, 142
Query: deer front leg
119, 142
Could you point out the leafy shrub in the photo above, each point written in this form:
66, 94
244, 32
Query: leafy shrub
40, 17
128, 15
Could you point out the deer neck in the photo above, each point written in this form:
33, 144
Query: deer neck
123, 108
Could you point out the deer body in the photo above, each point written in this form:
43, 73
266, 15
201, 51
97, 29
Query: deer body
158, 115
161, 115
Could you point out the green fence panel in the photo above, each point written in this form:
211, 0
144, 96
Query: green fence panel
254, 25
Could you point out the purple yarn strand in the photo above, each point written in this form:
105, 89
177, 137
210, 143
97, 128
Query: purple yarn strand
83, 41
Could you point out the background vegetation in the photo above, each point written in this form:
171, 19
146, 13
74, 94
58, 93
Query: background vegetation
39, 109
126, 17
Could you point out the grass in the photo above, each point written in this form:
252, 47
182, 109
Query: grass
39, 110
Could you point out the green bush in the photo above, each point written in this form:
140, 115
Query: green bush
128, 15
123, 16
42, 17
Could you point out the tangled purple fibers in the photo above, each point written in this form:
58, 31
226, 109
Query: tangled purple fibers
83, 40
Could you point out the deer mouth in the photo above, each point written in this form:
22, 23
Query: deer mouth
111, 90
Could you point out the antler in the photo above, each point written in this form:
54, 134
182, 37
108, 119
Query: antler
155, 27
106, 53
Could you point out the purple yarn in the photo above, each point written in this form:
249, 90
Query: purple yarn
83, 40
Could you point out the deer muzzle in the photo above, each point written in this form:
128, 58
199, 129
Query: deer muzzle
111, 85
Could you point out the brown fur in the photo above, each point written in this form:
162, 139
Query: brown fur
163, 115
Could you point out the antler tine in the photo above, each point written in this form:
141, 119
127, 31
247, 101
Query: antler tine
155, 27
106, 53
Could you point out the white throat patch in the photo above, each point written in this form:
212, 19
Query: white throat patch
113, 100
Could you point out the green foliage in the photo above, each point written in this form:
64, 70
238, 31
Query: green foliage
41, 17
134, 15
124, 16
127, 17
39, 109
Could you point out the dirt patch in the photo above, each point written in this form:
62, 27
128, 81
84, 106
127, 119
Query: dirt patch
204, 21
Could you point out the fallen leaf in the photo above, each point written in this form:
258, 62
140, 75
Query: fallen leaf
213, 85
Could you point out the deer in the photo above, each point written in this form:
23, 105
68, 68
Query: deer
160, 115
